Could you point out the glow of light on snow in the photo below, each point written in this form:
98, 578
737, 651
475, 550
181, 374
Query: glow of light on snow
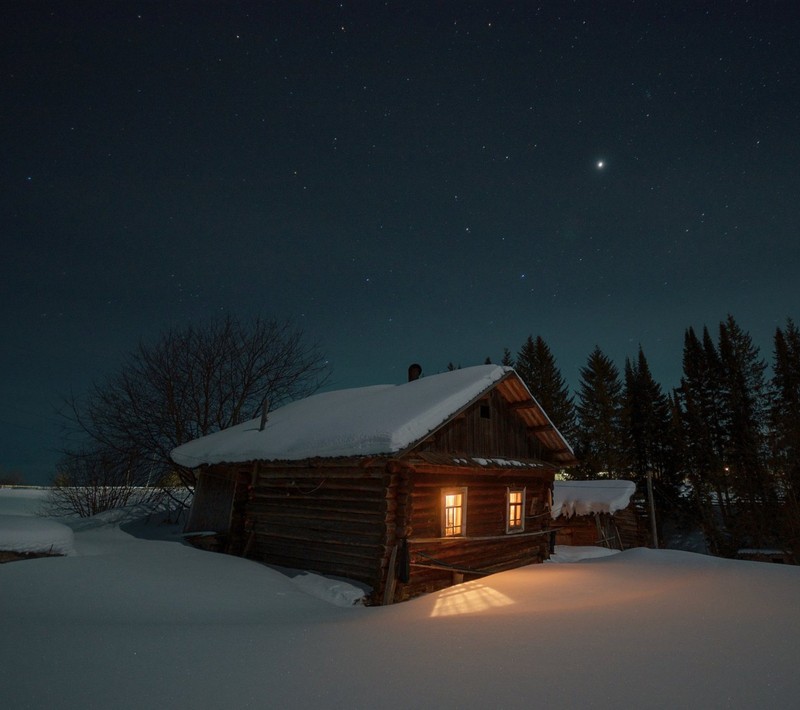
469, 598
136, 617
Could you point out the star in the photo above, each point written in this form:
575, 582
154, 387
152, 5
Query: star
600, 164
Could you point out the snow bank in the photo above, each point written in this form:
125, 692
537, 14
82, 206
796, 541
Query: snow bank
338, 592
576, 553
584, 497
24, 533
131, 623
353, 422
22, 501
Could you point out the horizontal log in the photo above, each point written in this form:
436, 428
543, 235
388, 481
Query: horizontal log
308, 520
504, 540
323, 565
490, 470
321, 488
318, 549
515, 478
362, 463
320, 499
313, 507
320, 554
358, 538
344, 538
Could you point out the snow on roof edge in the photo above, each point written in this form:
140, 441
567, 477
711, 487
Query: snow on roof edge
362, 421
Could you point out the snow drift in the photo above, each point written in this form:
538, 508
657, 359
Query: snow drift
129, 622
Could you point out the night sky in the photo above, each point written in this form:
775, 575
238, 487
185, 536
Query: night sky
407, 181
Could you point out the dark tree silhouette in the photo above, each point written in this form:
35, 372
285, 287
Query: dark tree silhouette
193, 381
784, 419
537, 368
599, 439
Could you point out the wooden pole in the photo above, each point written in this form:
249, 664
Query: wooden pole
264, 409
652, 509
391, 579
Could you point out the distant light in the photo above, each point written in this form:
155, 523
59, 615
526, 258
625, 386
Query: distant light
601, 164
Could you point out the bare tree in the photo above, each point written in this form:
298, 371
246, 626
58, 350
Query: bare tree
192, 382
90, 482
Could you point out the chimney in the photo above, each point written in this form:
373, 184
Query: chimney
414, 372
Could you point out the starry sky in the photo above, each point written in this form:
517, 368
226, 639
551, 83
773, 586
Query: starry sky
407, 181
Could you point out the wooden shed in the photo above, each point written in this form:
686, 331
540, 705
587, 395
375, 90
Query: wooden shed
598, 513
407, 488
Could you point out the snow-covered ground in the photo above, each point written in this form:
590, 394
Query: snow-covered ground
136, 619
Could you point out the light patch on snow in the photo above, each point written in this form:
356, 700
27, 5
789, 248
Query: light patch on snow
469, 598
585, 497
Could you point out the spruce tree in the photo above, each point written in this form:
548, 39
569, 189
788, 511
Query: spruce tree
646, 422
722, 397
784, 419
699, 398
537, 368
744, 396
599, 437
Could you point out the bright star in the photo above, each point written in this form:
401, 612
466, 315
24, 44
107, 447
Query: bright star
601, 164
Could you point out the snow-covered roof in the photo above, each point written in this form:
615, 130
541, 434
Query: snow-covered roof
585, 497
381, 419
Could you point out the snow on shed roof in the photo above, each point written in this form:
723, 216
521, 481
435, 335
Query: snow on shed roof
585, 497
381, 419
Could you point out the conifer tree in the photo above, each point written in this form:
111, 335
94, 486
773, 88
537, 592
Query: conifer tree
784, 419
744, 396
646, 422
537, 368
699, 396
599, 408
722, 397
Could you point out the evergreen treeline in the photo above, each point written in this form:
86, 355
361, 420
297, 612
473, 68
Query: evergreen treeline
723, 448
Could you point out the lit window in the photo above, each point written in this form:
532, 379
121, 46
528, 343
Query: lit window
515, 497
454, 512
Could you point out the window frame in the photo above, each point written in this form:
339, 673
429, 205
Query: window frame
462, 491
520, 510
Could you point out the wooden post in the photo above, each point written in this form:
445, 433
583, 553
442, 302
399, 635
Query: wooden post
391, 579
264, 408
652, 509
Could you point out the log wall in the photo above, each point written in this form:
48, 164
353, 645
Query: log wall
438, 562
338, 521
352, 520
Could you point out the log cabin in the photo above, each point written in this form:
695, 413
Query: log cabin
405, 488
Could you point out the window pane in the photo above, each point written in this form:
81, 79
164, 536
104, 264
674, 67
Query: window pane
453, 513
516, 505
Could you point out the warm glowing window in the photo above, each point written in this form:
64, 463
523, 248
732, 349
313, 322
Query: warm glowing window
454, 512
515, 509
